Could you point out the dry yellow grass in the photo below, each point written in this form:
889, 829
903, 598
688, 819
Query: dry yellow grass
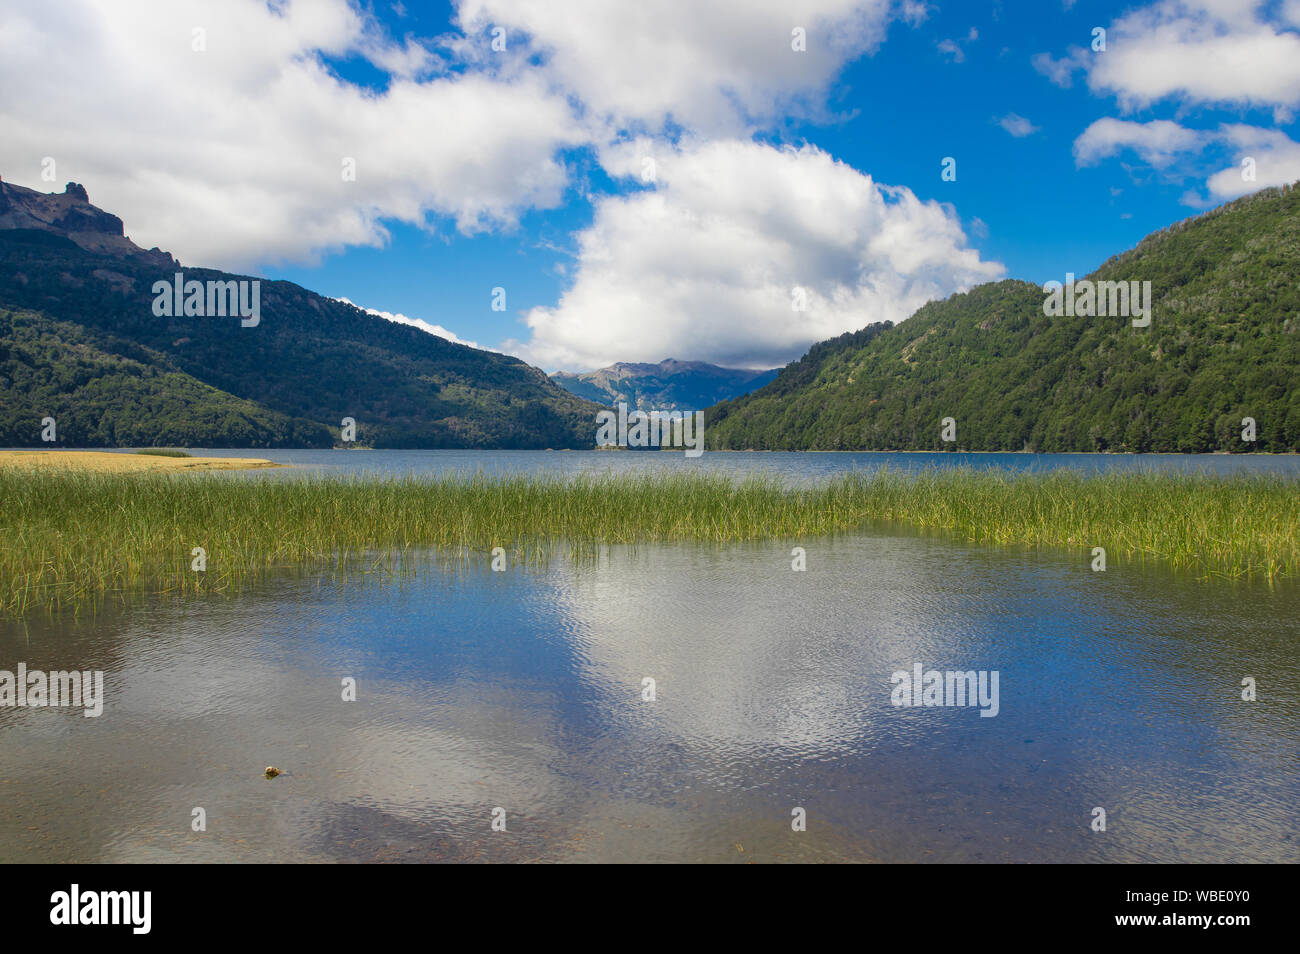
108, 462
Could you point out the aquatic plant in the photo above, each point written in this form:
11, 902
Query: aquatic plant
68, 538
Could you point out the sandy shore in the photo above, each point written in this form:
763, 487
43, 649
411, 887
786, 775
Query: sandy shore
124, 463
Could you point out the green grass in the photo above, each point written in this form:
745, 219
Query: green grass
73, 538
163, 452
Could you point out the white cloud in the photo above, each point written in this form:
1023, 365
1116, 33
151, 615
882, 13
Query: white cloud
951, 49
420, 323
711, 66
1197, 53
915, 12
1158, 142
1017, 126
1061, 72
233, 156
1200, 52
1276, 161
1274, 156
705, 264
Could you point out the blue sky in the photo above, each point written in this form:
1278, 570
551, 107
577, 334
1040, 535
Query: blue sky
780, 173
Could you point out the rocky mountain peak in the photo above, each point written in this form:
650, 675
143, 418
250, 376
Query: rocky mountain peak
70, 214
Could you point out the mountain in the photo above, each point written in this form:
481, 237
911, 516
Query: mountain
666, 386
130, 397
80, 342
70, 214
1223, 344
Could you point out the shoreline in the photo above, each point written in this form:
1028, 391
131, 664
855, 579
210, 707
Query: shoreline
708, 450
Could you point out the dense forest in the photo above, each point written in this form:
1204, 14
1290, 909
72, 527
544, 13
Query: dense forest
80, 342
1223, 345
129, 396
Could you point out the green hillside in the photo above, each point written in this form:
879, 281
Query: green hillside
132, 397
310, 362
1223, 344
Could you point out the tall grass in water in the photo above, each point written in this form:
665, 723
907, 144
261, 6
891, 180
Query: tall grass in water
67, 538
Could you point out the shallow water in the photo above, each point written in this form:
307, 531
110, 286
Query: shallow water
522, 690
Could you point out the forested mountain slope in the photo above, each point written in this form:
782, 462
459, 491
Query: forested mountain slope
1223, 344
307, 363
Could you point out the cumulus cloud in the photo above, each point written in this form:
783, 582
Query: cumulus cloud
1157, 142
1274, 160
420, 323
233, 155
710, 66
1260, 157
1201, 52
712, 260
1238, 54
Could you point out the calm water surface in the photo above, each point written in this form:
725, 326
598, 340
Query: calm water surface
522, 690
792, 466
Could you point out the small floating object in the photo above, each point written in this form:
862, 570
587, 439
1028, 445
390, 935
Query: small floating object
272, 771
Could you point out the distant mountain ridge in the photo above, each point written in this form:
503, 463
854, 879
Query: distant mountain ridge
1223, 345
80, 342
668, 385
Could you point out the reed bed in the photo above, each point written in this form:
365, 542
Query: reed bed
69, 538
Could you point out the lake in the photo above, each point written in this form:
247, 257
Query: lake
523, 690
792, 466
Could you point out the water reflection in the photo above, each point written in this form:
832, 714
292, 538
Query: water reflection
523, 690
